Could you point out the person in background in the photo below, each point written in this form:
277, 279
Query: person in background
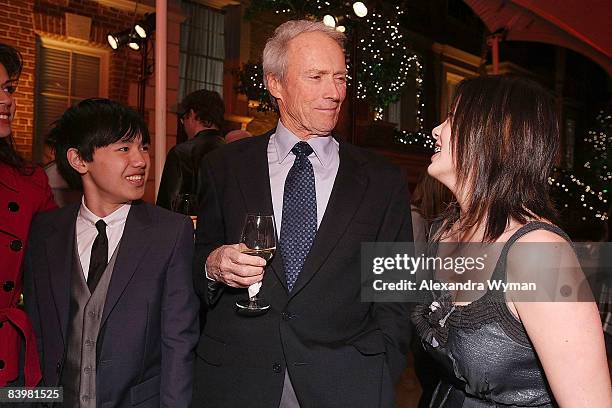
508, 348
236, 134
24, 192
429, 200
202, 120
108, 280
62, 191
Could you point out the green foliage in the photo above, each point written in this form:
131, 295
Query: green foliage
250, 83
583, 194
598, 159
385, 62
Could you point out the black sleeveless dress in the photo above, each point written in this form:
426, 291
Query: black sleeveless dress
484, 352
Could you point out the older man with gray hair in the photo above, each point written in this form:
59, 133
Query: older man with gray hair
317, 345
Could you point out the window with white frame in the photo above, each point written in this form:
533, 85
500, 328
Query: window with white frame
202, 49
65, 75
404, 112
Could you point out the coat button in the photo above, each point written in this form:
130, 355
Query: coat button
2, 364
16, 245
58, 368
13, 206
8, 286
276, 368
287, 315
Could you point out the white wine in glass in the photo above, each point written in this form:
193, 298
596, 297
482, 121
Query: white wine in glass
266, 254
258, 239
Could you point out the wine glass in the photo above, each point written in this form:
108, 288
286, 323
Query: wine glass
183, 203
259, 239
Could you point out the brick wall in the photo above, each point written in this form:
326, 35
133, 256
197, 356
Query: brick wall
22, 20
16, 29
49, 16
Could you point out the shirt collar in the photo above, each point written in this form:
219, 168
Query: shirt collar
284, 140
116, 217
208, 132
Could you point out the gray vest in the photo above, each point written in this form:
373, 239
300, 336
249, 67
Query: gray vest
79, 372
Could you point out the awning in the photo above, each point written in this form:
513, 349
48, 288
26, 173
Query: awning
583, 26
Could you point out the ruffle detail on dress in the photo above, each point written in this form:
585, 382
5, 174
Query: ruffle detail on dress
431, 321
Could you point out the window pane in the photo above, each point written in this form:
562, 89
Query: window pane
85, 76
409, 106
60, 73
404, 112
394, 114
53, 78
48, 109
74, 101
202, 49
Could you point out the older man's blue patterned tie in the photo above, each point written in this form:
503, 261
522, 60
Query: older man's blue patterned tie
299, 224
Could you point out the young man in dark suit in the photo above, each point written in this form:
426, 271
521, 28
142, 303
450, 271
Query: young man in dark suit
318, 345
108, 280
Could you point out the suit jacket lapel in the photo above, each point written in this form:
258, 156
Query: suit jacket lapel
251, 169
349, 187
133, 246
60, 256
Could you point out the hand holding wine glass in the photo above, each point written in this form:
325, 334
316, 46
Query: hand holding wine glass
258, 239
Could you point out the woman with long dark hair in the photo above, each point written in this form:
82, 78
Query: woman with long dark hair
494, 152
24, 191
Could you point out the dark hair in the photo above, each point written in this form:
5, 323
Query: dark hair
91, 124
11, 59
431, 198
207, 105
504, 137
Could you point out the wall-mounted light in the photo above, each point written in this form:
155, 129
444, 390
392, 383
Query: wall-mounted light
121, 38
133, 37
125, 37
137, 38
360, 9
145, 26
329, 20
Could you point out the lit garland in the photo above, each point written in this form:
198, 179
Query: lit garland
601, 142
591, 200
576, 193
418, 137
386, 64
250, 83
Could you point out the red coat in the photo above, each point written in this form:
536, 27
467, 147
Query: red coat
21, 197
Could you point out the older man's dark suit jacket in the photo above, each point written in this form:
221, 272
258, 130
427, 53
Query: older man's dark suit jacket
149, 325
340, 352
